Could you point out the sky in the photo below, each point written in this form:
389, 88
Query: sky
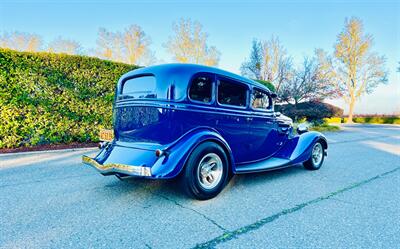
302, 26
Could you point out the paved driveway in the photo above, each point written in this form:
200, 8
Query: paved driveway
50, 200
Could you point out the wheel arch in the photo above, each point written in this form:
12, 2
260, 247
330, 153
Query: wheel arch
226, 149
323, 142
180, 151
299, 149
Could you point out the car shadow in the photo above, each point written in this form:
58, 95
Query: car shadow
171, 189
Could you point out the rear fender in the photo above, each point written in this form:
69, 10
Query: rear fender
175, 155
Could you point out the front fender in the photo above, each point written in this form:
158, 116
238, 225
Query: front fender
298, 149
177, 154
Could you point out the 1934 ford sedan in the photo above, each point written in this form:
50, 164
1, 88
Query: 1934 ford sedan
202, 124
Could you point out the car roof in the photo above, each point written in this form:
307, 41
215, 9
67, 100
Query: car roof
190, 69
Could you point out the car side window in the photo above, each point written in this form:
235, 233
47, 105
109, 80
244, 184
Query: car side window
230, 93
201, 88
260, 100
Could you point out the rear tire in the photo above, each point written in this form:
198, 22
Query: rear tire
316, 158
206, 171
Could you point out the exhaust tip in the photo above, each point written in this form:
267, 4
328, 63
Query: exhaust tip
102, 145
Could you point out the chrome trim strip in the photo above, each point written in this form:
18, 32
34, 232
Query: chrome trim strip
118, 168
203, 109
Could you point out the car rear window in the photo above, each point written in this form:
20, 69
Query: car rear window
231, 93
140, 87
201, 89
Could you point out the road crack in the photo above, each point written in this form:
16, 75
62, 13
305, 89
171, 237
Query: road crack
193, 210
229, 235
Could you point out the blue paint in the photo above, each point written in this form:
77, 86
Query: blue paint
166, 119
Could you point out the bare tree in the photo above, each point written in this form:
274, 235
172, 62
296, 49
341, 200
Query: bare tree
130, 46
105, 44
189, 44
135, 43
61, 45
21, 41
353, 67
276, 64
269, 62
309, 82
252, 67
212, 56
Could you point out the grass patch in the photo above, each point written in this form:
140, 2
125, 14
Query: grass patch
318, 127
325, 127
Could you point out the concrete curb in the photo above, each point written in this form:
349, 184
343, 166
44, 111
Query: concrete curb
46, 151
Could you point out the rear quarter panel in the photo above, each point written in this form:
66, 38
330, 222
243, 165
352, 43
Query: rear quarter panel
178, 153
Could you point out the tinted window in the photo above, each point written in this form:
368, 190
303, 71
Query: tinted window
230, 93
259, 100
140, 87
201, 89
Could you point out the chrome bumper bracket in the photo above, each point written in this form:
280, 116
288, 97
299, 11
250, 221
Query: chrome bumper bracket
117, 168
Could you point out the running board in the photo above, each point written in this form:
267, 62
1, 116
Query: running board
265, 165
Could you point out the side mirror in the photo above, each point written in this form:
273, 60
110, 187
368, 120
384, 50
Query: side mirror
278, 114
302, 128
274, 95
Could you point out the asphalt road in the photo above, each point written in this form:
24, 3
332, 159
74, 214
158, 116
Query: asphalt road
51, 200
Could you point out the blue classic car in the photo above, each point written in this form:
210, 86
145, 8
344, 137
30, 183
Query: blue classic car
202, 124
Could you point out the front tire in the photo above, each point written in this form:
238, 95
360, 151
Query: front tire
206, 171
316, 158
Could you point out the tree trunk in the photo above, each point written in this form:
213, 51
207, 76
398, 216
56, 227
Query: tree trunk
351, 110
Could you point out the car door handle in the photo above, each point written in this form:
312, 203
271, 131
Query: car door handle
249, 119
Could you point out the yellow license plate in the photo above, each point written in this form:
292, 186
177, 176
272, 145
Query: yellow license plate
106, 135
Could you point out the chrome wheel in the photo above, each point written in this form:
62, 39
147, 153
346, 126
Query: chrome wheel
317, 154
209, 171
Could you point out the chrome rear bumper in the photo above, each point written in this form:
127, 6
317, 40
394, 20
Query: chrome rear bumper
117, 168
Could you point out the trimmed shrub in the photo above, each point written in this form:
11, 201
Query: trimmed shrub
313, 111
55, 98
268, 84
333, 120
367, 119
375, 119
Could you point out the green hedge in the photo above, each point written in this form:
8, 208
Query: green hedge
375, 120
54, 98
268, 84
